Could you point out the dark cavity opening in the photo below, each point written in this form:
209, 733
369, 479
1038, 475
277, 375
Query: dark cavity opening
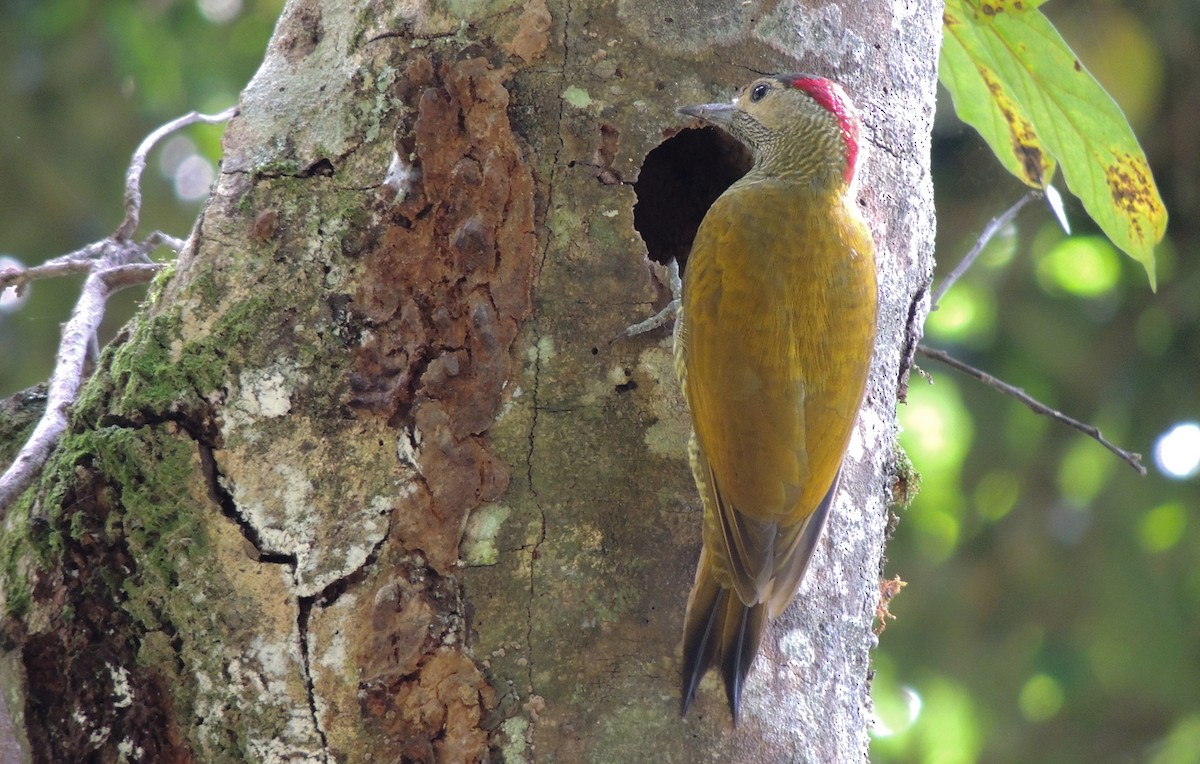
678, 182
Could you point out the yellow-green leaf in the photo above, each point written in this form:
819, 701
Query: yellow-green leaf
992, 7
983, 102
1043, 100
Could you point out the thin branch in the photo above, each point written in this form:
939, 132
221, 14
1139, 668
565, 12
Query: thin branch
77, 337
66, 265
64, 385
133, 178
159, 238
994, 227
1130, 458
83, 260
18, 278
112, 264
123, 276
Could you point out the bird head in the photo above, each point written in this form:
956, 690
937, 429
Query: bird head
799, 127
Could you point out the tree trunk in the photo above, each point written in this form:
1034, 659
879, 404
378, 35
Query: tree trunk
368, 480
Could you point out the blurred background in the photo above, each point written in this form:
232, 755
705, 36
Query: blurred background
82, 83
1053, 604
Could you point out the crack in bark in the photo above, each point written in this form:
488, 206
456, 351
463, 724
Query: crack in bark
535, 548
555, 166
886, 148
304, 605
535, 551
200, 428
333, 591
912, 338
598, 170
305, 611
224, 499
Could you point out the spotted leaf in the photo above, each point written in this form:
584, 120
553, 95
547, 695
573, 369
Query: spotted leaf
1040, 99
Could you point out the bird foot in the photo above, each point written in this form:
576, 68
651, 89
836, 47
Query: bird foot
665, 315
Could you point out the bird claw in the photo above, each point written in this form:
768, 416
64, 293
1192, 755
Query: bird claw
664, 316
658, 319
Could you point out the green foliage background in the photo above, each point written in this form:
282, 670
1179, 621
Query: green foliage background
1053, 605
82, 82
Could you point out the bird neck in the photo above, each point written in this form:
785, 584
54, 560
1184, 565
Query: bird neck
813, 180
810, 157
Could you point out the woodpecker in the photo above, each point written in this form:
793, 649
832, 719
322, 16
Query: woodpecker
773, 345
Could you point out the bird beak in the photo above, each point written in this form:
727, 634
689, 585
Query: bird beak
714, 113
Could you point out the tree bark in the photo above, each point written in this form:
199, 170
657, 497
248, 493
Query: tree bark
368, 479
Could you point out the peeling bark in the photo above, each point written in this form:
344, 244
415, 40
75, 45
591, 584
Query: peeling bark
368, 480
444, 286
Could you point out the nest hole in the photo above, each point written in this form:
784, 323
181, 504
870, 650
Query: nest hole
679, 180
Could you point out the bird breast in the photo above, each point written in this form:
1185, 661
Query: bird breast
779, 320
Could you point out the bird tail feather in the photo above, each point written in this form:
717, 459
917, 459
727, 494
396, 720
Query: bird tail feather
719, 629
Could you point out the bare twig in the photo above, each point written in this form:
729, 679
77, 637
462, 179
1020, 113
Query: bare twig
995, 226
82, 260
158, 237
133, 178
1130, 458
111, 264
68, 375
67, 265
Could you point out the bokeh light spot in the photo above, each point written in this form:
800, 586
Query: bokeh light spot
1084, 266
937, 434
910, 708
996, 494
193, 178
1041, 698
10, 301
1177, 452
1162, 527
937, 427
219, 11
965, 313
897, 706
1083, 472
174, 151
939, 531
949, 729
1181, 743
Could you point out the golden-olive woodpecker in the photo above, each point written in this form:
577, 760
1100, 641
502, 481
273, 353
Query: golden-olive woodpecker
773, 345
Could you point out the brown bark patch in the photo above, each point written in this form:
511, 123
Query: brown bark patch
533, 32
446, 283
437, 716
445, 287
424, 695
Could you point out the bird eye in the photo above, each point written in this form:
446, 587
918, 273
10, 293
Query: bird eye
758, 92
